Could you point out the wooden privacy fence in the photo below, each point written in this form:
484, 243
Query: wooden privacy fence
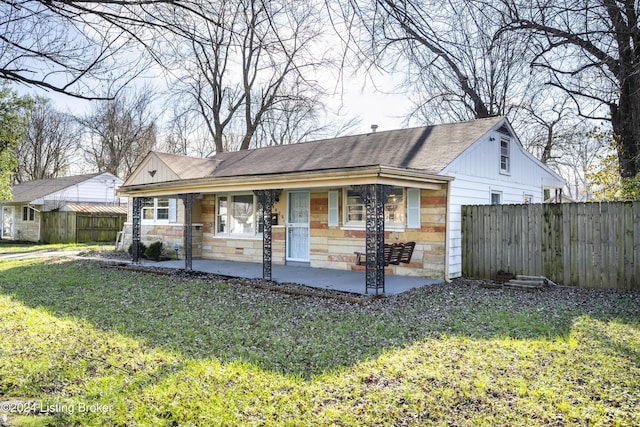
587, 244
77, 227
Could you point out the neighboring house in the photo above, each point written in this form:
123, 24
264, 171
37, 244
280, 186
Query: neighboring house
22, 217
324, 189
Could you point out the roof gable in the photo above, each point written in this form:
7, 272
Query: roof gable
482, 160
163, 167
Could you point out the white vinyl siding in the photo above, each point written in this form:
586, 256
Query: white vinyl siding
99, 189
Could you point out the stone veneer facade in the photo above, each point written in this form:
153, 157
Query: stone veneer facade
330, 247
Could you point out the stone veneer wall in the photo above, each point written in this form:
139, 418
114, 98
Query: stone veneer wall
169, 235
26, 230
330, 247
334, 247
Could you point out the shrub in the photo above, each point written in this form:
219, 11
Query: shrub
143, 248
154, 250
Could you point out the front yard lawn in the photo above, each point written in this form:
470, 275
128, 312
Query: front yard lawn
94, 346
13, 247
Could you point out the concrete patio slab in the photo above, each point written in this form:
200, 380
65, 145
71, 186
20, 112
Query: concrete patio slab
322, 278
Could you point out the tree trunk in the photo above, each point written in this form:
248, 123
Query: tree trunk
625, 121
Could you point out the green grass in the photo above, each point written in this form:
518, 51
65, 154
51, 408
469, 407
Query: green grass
140, 349
11, 247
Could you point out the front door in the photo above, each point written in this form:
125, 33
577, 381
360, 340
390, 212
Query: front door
7, 223
298, 226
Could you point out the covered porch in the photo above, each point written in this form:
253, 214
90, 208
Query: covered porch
347, 281
310, 214
328, 243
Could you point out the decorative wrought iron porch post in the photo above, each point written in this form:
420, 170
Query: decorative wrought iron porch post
138, 203
187, 200
374, 197
267, 198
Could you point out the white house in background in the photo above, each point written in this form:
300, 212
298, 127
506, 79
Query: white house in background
319, 216
21, 217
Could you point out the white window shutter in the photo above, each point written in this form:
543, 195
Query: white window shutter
333, 209
413, 207
173, 210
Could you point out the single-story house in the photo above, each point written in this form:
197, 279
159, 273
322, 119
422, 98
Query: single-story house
22, 217
320, 202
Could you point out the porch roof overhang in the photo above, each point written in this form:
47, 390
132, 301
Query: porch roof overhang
292, 180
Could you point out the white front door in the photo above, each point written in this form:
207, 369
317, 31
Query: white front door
7, 223
298, 226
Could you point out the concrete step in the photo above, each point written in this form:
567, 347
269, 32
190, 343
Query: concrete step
524, 286
521, 282
531, 278
526, 282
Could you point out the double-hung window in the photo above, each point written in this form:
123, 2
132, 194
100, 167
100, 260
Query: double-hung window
496, 197
505, 158
28, 213
239, 215
354, 209
158, 209
395, 209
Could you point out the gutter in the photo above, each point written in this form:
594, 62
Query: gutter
291, 180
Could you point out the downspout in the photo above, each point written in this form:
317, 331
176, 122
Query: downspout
39, 220
447, 234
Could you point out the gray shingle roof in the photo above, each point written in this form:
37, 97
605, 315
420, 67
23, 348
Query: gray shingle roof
33, 190
429, 149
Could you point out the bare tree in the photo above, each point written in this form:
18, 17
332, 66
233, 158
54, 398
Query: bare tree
577, 159
119, 133
61, 47
551, 129
84, 48
48, 147
545, 126
240, 74
178, 135
455, 67
591, 49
